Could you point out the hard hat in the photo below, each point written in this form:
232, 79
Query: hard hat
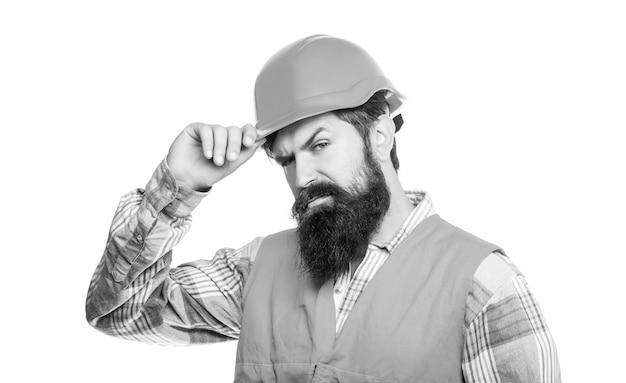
315, 75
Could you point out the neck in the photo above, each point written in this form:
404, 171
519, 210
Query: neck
399, 209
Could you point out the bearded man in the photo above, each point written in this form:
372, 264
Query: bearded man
371, 286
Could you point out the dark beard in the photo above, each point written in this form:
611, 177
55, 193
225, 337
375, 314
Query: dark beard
336, 233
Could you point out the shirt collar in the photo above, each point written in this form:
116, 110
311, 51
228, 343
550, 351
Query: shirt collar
423, 209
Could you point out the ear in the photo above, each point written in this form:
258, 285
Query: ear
384, 130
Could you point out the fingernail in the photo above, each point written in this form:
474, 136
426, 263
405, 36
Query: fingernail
232, 156
209, 154
248, 141
218, 161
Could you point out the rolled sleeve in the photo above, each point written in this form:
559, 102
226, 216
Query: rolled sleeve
164, 193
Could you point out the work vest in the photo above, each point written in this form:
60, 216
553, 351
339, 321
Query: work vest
407, 325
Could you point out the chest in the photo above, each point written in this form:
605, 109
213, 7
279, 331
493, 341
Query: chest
409, 315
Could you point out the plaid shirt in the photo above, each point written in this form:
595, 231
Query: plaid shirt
135, 294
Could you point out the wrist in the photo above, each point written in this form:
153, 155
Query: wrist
175, 197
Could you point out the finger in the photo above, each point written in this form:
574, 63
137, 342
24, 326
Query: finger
247, 153
249, 135
193, 130
234, 143
206, 137
220, 137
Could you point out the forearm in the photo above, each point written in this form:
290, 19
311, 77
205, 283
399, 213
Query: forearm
131, 292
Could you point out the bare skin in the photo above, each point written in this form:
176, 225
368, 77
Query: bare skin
332, 156
204, 154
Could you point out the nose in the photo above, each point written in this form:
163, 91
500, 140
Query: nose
303, 176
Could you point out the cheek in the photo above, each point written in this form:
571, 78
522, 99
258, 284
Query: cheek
350, 168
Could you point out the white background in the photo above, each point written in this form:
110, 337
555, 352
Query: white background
514, 126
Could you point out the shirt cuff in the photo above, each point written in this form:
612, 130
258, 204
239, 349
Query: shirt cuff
164, 193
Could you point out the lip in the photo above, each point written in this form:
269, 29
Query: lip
318, 201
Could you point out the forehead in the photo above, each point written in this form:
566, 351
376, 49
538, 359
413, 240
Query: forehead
294, 135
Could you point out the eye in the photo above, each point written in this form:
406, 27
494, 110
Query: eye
286, 162
320, 145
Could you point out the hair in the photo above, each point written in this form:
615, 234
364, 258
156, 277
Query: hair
362, 118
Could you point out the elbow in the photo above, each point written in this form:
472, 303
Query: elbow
102, 323
93, 318
96, 313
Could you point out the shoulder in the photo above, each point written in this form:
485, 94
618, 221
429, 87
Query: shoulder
275, 240
454, 234
495, 279
451, 242
282, 235
506, 335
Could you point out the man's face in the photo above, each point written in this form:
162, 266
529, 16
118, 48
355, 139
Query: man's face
340, 190
318, 149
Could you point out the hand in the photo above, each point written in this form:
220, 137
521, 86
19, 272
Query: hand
204, 154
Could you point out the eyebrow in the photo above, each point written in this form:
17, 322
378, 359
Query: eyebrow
281, 159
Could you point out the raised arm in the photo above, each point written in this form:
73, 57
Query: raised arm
134, 293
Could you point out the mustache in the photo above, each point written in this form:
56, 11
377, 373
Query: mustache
315, 191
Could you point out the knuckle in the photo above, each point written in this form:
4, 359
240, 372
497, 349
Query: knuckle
233, 130
196, 125
234, 133
219, 131
193, 125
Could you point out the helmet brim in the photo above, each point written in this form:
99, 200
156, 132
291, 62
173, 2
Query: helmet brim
313, 106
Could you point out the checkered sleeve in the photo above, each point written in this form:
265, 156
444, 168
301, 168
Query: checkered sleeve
135, 294
506, 336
